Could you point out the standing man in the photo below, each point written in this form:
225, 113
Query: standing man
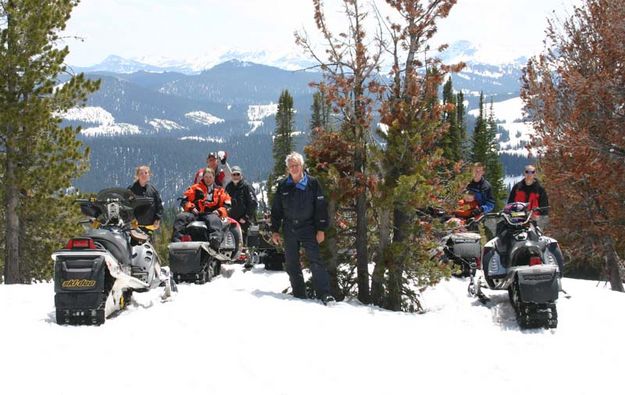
152, 214
529, 190
300, 208
244, 201
482, 190
222, 173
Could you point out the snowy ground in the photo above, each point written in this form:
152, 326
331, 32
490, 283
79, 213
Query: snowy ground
241, 335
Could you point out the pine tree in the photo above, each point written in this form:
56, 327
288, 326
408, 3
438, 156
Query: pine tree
283, 139
453, 139
494, 167
39, 158
484, 150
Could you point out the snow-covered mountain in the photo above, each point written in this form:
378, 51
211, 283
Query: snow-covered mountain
242, 335
287, 60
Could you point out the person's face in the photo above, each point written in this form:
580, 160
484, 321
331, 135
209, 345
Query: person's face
144, 176
529, 173
236, 176
209, 178
295, 169
468, 197
478, 172
212, 162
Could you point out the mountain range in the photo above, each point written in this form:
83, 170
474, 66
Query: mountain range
169, 115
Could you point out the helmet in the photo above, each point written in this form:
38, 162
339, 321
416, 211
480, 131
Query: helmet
516, 212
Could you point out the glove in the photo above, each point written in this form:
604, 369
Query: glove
476, 211
222, 155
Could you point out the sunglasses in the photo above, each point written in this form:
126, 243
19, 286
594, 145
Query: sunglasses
530, 171
236, 174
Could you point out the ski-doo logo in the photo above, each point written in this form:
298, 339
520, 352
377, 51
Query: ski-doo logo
78, 283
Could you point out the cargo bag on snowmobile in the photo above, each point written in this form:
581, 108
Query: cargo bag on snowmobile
465, 245
187, 260
538, 284
80, 289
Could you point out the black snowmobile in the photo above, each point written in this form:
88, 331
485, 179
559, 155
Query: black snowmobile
196, 258
525, 262
260, 247
96, 273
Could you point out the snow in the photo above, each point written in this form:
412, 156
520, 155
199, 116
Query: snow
257, 112
114, 129
241, 335
165, 124
203, 117
203, 139
509, 115
94, 115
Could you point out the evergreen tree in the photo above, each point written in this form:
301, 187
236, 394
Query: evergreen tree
494, 167
461, 125
484, 150
282, 139
452, 143
39, 158
321, 110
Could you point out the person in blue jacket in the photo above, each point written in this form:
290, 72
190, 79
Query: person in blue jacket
482, 189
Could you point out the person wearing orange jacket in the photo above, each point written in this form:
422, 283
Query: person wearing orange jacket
206, 201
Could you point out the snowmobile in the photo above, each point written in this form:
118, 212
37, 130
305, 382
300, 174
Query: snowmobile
525, 262
96, 273
196, 258
260, 247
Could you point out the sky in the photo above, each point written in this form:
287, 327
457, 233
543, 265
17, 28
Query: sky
182, 29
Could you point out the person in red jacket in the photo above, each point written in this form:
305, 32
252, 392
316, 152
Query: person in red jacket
223, 174
529, 190
206, 201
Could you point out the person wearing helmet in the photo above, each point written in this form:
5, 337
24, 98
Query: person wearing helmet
218, 162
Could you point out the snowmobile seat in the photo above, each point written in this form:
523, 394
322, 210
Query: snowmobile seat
114, 242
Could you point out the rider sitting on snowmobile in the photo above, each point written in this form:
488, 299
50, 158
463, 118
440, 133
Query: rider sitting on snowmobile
468, 208
207, 201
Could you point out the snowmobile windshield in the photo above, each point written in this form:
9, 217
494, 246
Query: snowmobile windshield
516, 213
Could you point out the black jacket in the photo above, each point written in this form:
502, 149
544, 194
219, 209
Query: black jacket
533, 194
146, 215
299, 207
244, 201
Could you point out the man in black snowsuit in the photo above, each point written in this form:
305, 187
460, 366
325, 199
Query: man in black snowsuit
299, 207
243, 199
152, 214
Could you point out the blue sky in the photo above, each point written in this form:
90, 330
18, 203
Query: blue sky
183, 29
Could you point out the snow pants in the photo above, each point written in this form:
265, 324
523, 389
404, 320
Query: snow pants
294, 238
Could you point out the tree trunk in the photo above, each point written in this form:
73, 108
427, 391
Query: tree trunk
613, 262
396, 271
377, 280
332, 247
362, 261
12, 228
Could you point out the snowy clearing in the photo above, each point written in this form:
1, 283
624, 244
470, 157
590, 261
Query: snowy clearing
241, 335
